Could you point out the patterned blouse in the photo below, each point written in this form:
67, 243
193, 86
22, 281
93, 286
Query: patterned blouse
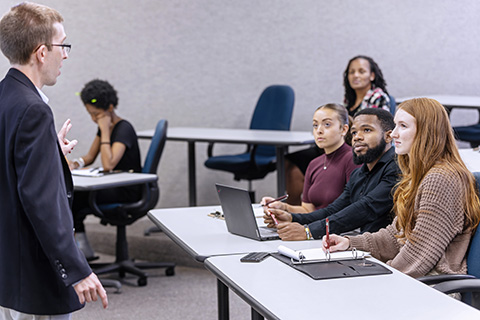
374, 98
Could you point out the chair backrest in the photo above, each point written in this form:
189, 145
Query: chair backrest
156, 148
393, 105
273, 112
473, 257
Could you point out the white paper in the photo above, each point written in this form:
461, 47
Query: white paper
288, 252
88, 172
318, 254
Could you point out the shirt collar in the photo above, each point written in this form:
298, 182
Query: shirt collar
42, 95
387, 156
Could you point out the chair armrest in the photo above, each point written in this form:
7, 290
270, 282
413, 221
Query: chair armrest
462, 286
210, 149
431, 280
127, 211
253, 151
92, 201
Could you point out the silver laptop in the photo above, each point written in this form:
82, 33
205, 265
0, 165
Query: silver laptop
239, 215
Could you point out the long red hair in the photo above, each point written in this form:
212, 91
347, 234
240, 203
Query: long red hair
434, 144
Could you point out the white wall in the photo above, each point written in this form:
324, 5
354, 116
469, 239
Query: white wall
202, 63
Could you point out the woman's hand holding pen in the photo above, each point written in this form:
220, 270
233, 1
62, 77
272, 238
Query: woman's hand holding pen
269, 202
337, 243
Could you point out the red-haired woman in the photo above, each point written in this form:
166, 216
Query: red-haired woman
435, 203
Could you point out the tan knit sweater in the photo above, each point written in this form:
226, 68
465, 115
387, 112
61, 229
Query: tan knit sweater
441, 241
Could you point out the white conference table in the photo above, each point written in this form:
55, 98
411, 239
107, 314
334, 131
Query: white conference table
277, 291
450, 101
280, 139
111, 180
202, 237
274, 290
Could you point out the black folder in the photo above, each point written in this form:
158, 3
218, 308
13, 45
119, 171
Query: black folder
336, 269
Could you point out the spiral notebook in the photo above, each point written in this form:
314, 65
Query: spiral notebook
318, 255
318, 266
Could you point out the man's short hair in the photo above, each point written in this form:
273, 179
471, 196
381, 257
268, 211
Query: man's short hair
384, 116
24, 28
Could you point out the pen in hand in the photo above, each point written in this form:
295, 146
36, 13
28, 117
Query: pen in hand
327, 227
273, 218
282, 198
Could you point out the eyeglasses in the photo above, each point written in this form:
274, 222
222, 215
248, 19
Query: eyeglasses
66, 47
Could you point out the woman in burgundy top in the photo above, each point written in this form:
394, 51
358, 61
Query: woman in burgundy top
327, 174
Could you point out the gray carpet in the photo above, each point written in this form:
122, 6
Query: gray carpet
190, 294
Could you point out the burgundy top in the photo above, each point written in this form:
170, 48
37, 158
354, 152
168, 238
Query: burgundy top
327, 175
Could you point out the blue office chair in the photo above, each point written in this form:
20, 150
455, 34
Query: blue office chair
469, 134
273, 112
467, 284
123, 214
393, 105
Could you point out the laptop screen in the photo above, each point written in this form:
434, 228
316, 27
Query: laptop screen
238, 211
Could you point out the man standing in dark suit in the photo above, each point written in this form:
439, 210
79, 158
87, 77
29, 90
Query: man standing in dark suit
43, 272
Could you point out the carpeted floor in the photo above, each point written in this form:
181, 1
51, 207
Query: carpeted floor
190, 294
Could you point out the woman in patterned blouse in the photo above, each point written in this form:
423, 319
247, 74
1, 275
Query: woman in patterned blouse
364, 85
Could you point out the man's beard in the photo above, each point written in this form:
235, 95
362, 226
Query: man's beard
372, 154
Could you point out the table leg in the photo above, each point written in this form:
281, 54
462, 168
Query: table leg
280, 151
223, 304
256, 315
192, 180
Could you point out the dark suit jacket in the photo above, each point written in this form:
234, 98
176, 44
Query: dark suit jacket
39, 258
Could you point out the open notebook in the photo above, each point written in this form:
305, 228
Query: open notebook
318, 255
344, 264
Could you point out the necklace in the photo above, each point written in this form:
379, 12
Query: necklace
325, 163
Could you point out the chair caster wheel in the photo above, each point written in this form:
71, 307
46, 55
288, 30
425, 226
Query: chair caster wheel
142, 282
170, 272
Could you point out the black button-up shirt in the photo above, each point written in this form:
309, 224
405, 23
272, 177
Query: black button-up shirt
366, 201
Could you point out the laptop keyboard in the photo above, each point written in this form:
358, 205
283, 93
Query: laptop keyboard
268, 232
